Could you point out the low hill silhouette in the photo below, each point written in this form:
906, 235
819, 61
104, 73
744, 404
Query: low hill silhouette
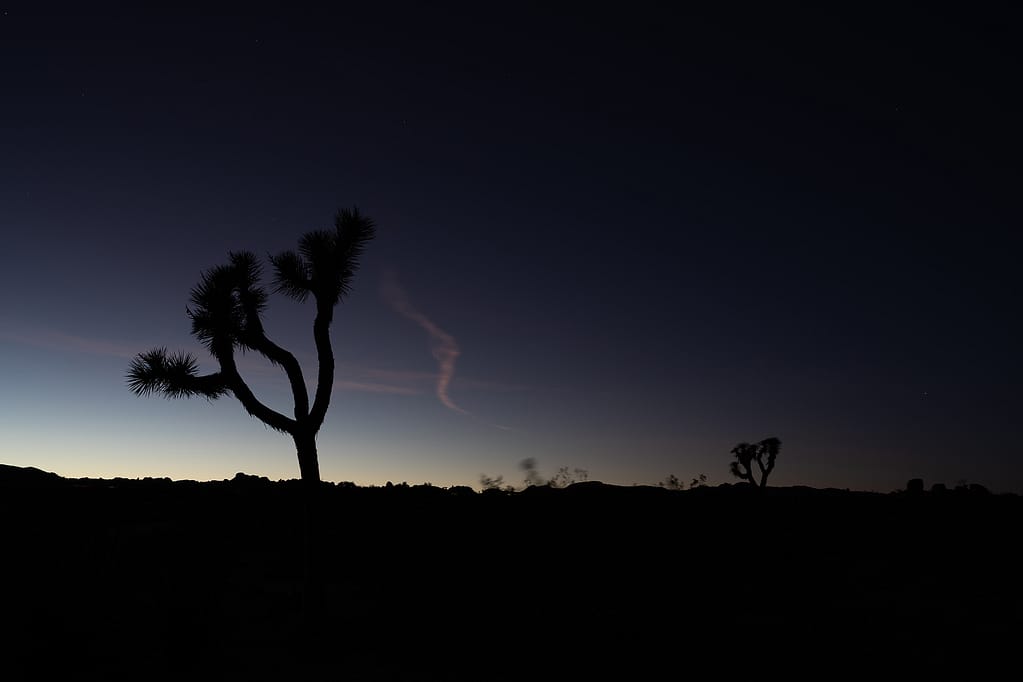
27, 477
247, 577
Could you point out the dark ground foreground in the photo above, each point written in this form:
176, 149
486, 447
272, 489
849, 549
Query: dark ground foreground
160, 580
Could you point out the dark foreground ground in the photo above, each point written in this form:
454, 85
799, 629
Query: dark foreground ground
249, 579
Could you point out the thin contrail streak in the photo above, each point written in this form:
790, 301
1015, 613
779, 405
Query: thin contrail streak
445, 347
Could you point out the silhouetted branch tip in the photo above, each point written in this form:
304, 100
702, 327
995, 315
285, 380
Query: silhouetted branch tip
172, 375
326, 261
291, 276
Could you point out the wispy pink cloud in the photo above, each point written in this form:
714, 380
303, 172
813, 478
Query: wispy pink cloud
410, 382
362, 379
476, 384
49, 339
397, 375
375, 388
401, 376
445, 347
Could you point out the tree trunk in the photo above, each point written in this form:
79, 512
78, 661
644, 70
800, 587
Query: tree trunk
311, 596
308, 464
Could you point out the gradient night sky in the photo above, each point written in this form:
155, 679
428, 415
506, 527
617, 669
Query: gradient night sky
649, 237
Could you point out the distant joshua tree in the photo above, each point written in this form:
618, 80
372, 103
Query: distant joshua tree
226, 307
763, 453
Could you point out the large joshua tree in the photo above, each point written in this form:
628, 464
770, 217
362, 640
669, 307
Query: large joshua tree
226, 307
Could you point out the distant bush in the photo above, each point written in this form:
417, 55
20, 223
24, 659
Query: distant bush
915, 485
496, 483
533, 476
564, 478
673, 482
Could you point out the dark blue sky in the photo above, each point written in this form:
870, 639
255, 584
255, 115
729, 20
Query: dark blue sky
651, 235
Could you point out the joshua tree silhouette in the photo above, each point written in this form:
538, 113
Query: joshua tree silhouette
747, 453
225, 314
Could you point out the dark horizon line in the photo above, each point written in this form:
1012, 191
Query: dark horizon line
16, 476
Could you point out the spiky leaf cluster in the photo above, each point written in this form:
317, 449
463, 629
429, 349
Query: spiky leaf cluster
173, 375
227, 303
326, 260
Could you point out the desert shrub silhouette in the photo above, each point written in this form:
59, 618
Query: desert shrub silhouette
226, 308
673, 482
562, 479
